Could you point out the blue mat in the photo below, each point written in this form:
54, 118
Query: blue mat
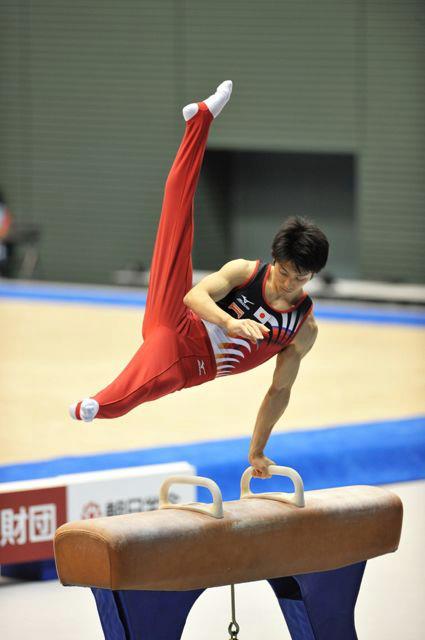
367, 453
73, 294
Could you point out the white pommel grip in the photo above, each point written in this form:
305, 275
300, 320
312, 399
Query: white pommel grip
215, 509
296, 498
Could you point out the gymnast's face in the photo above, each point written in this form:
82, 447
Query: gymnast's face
288, 280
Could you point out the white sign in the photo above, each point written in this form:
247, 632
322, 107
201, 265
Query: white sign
115, 492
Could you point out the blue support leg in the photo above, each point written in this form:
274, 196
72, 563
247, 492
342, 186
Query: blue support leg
316, 606
320, 606
144, 615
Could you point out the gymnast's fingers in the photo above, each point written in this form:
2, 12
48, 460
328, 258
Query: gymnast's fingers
254, 327
250, 333
265, 330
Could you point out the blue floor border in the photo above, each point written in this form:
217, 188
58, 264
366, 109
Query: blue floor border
381, 452
73, 294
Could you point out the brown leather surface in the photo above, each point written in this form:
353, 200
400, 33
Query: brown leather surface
172, 549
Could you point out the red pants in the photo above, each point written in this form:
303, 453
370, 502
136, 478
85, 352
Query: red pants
176, 352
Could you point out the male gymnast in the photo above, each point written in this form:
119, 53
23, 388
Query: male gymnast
233, 320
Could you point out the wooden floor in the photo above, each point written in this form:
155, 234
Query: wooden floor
55, 354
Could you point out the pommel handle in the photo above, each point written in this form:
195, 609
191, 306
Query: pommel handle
215, 509
296, 498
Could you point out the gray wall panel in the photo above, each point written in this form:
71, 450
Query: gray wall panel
393, 161
15, 106
90, 121
294, 65
98, 156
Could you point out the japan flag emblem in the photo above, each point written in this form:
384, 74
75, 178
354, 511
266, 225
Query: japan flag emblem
262, 315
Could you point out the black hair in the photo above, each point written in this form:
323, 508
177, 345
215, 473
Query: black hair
301, 242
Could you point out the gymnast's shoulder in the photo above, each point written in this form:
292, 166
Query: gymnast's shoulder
219, 283
238, 271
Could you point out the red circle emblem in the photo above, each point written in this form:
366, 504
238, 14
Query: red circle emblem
91, 510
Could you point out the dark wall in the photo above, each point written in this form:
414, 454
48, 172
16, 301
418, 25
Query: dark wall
272, 187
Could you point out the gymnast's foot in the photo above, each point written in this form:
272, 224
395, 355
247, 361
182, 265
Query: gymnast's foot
215, 103
85, 410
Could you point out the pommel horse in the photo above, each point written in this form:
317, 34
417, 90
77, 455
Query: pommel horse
147, 569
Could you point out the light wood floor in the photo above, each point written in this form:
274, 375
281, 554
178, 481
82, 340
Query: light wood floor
53, 355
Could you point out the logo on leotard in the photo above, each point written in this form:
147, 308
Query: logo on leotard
243, 300
201, 368
234, 307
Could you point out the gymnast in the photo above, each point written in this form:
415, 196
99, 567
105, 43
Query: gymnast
232, 320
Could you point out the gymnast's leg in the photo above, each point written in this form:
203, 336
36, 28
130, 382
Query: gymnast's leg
155, 369
171, 268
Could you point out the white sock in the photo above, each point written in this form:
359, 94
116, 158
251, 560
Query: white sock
88, 410
215, 103
220, 98
190, 110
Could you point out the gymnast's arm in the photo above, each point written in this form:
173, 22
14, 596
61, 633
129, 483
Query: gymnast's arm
202, 299
277, 397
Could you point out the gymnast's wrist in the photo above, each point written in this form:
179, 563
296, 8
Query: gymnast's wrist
225, 323
255, 453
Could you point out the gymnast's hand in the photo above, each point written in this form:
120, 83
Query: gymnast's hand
260, 464
249, 329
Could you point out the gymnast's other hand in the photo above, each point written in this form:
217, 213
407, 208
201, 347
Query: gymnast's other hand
249, 329
261, 465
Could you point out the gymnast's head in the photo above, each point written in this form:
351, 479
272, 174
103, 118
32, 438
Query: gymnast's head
299, 250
